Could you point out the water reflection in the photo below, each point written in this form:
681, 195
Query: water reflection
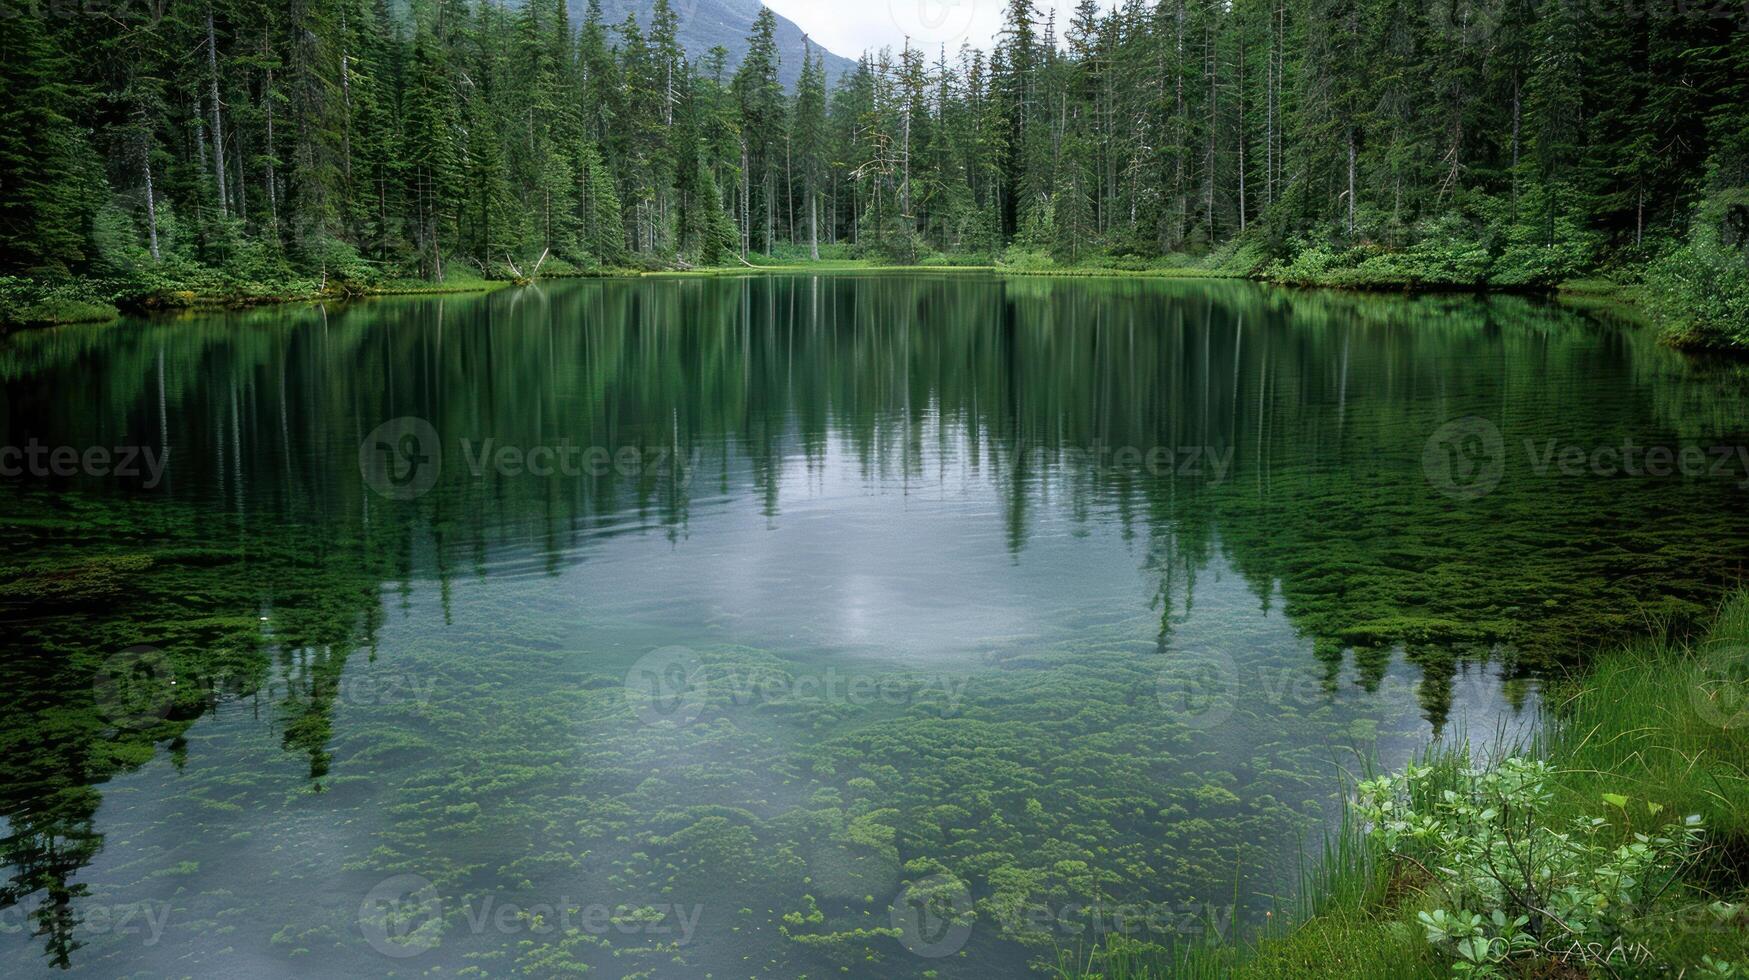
1067, 498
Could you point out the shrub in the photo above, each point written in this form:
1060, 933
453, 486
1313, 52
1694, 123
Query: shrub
1510, 880
34, 302
1027, 260
1700, 291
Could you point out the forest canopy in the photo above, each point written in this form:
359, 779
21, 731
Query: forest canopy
1514, 143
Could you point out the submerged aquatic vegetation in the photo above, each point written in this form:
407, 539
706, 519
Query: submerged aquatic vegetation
1017, 737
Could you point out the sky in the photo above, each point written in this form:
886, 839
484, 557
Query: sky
849, 27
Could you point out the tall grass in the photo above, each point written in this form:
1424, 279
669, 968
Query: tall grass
1659, 722
1664, 723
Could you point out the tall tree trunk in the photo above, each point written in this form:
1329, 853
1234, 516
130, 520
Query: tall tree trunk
200, 130
151, 202
268, 176
1351, 166
1214, 121
746, 203
346, 104
1269, 98
212, 63
1517, 116
1241, 135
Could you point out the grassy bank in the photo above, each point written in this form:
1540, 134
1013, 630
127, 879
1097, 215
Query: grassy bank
26, 302
1652, 734
1692, 309
1692, 296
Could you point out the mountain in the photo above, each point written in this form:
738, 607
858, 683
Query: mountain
704, 24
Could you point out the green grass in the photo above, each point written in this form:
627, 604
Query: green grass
1177, 267
1595, 287
465, 281
1346, 922
1102, 272
1665, 723
30, 302
762, 265
1659, 722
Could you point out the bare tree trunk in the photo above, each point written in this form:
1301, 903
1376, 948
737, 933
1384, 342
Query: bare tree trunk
212, 63
1180, 196
1241, 138
1517, 115
1213, 70
346, 101
1351, 164
813, 224
200, 130
746, 204
1269, 99
151, 202
436, 249
905, 164
267, 156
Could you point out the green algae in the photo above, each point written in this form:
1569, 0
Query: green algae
270, 578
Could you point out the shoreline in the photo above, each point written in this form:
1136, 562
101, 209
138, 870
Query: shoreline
1601, 293
1647, 728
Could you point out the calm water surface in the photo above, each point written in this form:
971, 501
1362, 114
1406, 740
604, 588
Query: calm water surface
788, 626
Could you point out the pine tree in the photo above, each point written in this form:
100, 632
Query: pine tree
601, 224
45, 164
429, 159
762, 126
810, 143
262, 141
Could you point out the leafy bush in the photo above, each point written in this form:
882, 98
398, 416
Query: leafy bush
1027, 260
1511, 883
1700, 291
1244, 257
32, 302
1312, 264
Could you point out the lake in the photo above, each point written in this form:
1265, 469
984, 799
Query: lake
784, 626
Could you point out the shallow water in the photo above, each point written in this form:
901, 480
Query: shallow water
779, 626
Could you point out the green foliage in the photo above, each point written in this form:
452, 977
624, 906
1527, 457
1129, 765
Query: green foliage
39, 302
1700, 289
1510, 881
47, 170
1452, 869
1374, 145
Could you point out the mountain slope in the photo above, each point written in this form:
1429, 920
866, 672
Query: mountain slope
704, 24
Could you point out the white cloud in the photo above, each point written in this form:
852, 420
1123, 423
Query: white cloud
850, 27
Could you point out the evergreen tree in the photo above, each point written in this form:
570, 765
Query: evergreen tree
262, 141
45, 164
601, 224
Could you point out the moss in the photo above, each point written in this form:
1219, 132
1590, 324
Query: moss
1053, 777
84, 581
